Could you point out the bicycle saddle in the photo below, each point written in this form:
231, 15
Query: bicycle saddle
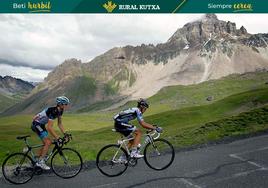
22, 137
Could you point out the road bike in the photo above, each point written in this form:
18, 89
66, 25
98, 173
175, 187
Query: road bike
114, 159
19, 168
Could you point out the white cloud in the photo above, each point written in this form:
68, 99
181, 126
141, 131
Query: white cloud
44, 41
24, 73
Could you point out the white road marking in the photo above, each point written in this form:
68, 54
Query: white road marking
186, 182
245, 173
236, 156
105, 185
245, 160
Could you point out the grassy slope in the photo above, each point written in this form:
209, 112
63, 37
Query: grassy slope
96, 106
6, 102
183, 121
176, 97
183, 127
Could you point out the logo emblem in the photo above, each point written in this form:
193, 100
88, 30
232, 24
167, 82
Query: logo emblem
109, 6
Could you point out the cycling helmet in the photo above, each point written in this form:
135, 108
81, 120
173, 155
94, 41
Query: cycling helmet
143, 103
62, 100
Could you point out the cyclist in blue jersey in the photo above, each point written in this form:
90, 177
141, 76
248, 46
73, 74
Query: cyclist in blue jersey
122, 125
44, 118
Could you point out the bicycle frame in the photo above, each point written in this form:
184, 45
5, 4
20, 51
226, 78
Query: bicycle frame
149, 137
29, 150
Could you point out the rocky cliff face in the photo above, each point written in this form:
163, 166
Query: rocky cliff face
13, 86
205, 49
198, 32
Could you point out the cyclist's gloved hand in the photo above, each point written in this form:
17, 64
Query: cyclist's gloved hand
159, 129
67, 135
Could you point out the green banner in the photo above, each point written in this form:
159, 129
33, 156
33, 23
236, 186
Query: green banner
133, 6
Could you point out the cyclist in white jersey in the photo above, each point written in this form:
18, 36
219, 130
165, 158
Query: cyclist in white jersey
121, 124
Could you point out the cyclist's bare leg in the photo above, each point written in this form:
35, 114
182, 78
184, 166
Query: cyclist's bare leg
47, 142
130, 144
39, 152
137, 138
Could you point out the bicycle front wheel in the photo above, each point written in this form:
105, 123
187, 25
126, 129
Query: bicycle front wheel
18, 168
159, 154
112, 160
66, 163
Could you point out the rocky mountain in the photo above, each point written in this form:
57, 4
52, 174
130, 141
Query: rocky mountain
14, 86
205, 49
13, 90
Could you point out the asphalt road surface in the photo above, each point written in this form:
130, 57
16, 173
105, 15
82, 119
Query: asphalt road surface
242, 163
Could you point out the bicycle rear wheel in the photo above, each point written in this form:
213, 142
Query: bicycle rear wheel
18, 168
66, 163
159, 155
112, 160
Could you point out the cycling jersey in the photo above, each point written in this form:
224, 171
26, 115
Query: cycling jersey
121, 120
128, 115
41, 119
48, 114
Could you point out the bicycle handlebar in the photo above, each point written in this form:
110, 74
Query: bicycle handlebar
152, 133
65, 139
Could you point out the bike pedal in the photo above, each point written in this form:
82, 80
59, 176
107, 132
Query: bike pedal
132, 162
38, 170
